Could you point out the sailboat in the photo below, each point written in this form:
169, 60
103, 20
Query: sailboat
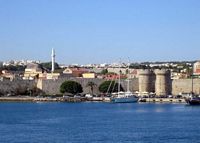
124, 97
193, 99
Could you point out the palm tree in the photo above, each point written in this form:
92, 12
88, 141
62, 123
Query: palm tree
91, 85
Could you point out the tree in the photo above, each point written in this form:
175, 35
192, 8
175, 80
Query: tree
48, 65
14, 68
72, 87
91, 85
109, 86
104, 71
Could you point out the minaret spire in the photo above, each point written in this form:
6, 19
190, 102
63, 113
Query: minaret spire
53, 55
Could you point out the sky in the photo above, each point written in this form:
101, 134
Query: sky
100, 31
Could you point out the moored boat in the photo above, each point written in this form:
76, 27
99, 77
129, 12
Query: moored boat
125, 97
193, 100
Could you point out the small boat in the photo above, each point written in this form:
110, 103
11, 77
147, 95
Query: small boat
142, 100
193, 100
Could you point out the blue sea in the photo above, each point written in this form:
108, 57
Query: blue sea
98, 122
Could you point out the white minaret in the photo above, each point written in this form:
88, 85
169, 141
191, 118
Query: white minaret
53, 55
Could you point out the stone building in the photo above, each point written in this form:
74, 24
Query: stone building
157, 81
32, 71
162, 82
146, 82
196, 68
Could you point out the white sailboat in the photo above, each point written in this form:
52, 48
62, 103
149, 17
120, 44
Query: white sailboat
124, 97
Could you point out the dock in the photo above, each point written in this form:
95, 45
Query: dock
163, 100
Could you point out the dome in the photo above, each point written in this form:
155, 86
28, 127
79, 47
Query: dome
34, 66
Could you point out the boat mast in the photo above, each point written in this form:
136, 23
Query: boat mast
192, 79
119, 78
128, 81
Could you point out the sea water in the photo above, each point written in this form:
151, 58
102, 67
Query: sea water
99, 122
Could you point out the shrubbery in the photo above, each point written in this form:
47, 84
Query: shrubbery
72, 87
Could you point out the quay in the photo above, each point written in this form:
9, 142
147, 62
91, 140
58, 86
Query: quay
163, 100
83, 99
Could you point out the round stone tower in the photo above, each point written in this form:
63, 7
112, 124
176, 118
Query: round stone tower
162, 83
145, 81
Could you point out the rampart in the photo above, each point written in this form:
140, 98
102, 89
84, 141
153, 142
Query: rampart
16, 87
53, 86
185, 86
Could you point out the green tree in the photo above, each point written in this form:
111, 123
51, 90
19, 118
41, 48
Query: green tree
14, 68
91, 85
72, 87
104, 71
47, 65
109, 86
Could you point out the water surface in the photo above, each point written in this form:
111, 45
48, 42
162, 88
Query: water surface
98, 122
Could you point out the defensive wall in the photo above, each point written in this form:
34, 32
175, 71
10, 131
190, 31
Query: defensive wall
159, 81
175, 87
185, 86
53, 86
16, 86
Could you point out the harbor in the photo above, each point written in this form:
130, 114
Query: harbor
98, 122
99, 71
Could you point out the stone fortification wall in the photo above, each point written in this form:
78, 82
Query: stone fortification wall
134, 86
146, 81
53, 86
16, 86
185, 86
163, 82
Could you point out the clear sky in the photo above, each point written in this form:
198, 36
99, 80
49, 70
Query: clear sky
100, 31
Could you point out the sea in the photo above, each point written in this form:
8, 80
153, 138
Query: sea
90, 122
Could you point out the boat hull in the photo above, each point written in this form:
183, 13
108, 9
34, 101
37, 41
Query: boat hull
194, 101
125, 100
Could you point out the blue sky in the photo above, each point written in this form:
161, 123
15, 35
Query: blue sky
99, 31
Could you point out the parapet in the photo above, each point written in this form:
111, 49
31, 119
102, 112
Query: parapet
145, 72
162, 72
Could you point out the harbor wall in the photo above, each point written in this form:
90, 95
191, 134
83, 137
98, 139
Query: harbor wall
16, 87
53, 86
176, 87
185, 86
